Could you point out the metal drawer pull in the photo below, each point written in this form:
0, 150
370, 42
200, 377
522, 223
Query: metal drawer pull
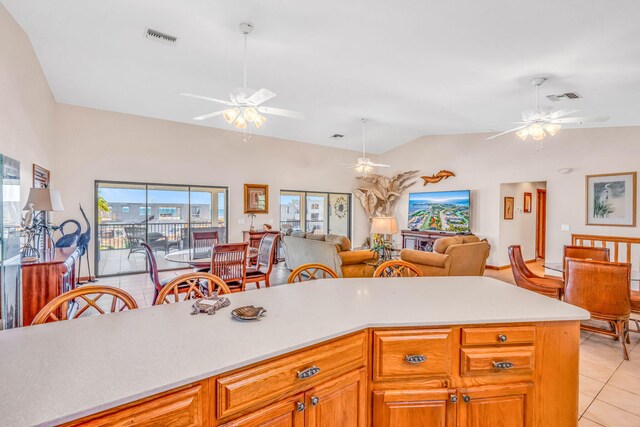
415, 359
453, 398
502, 338
300, 406
502, 365
308, 373
315, 400
466, 398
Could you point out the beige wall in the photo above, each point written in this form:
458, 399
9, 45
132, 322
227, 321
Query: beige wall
482, 165
101, 145
27, 107
521, 230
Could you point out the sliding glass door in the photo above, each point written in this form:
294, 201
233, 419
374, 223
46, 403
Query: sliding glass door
161, 215
316, 212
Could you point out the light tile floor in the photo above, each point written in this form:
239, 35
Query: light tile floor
609, 386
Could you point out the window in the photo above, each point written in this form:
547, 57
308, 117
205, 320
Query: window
168, 212
145, 211
125, 209
316, 212
195, 212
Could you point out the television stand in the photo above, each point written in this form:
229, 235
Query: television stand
423, 240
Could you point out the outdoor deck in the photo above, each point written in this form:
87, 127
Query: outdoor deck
118, 261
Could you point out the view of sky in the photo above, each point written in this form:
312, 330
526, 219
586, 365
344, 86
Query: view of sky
129, 195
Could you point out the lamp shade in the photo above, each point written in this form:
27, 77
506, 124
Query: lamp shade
44, 200
384, 225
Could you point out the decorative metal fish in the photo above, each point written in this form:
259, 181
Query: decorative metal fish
435, 178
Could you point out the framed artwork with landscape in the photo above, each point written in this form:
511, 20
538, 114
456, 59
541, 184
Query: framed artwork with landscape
256, 199
611, 199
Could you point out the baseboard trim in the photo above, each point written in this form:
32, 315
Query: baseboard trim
504, 267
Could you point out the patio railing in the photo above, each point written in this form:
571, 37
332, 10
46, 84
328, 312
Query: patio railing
113, 236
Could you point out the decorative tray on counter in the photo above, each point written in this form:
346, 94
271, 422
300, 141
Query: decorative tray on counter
248, 312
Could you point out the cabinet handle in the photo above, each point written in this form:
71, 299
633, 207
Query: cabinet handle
466, 398
300, 406
308, 373
502, 365
502, 338
315, 400
453, 398
415, 358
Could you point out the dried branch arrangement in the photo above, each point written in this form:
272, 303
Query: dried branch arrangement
379, 194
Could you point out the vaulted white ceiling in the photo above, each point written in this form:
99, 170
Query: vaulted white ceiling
413, 68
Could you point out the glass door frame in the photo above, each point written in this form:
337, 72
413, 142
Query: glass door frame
187, 187
305, 193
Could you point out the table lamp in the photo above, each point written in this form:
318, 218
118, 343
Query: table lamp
43, 201
381, 227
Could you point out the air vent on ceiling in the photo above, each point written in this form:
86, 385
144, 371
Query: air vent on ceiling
568, 95
336, 136
161, 37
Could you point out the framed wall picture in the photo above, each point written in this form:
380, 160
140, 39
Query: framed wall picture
41, 177
508, 207
256, 199
527, 203
611, 199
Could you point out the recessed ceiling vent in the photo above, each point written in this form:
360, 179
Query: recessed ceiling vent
568, 95
161, 37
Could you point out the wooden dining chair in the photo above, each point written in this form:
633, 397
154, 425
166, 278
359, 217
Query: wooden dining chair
79, 301
264, 263
635, 309
203, 240
191, 286
603, 289
158, 283
397, 268
308, 272
584, 252
229, 262
526, 279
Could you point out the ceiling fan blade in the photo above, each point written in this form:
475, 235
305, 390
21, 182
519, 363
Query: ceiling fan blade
206, 98
379, 165
208, 116
281, 112
262, 95
507, 131
580, 120
560, 113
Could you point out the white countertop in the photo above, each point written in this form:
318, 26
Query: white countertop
62, 371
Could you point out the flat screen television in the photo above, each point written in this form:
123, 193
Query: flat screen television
439, 211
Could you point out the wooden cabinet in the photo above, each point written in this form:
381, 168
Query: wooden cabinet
184, 407
408, 408
508, 405
45, 279
341, 402
285, 413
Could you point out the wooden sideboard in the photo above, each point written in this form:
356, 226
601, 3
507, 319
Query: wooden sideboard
422, 240
45, 279
254, 238
522, 374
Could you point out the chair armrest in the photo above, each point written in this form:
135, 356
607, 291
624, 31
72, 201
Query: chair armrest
357, 257
432, 259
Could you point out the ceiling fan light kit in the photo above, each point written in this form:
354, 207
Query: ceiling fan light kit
364, 165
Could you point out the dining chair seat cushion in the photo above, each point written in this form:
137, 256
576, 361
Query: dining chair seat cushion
252, 271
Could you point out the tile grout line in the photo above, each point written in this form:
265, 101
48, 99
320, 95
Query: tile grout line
605, 384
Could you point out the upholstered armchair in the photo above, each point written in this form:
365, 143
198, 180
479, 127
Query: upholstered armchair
525, 278
451, 256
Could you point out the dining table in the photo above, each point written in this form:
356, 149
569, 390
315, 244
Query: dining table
559, 267
199, 257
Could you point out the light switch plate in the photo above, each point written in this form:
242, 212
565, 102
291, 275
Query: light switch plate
241, 221
565, 227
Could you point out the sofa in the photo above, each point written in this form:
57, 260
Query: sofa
451, 256
331, 250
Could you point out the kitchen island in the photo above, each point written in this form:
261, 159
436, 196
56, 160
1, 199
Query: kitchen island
440, 351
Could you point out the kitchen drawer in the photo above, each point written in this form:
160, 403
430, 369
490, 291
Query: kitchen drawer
412, 354
497, 361
499, 335
258, 385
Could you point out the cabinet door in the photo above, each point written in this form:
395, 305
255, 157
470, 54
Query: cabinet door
428, 408
339, 402
508, 405
286, 413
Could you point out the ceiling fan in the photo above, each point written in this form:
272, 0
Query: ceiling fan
545, 121
245, 104
364, 165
